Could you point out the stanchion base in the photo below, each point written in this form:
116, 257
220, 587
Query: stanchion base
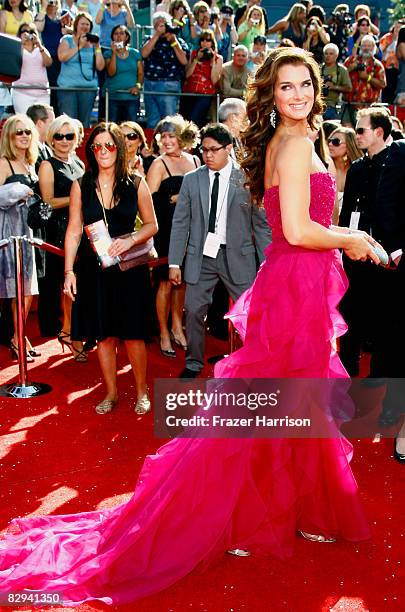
216, 358
19, 391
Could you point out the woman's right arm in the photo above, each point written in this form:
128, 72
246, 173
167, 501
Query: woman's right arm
154, 176
47, 186
2, 21
40, 16
294, 168
111, 62
72, 238
279, 26
192, 63
401, 51
65, 52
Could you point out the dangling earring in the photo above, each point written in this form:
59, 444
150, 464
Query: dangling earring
273, 117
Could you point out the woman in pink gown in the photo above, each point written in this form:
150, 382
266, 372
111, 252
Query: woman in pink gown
197, 498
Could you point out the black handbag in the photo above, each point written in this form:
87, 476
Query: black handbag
11, 58
39, 213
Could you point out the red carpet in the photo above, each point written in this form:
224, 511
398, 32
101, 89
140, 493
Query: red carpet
58, 456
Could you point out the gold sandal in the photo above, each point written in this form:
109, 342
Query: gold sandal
106, 406
143, 404
316, 538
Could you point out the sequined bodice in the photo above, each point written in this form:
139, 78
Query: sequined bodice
323, 190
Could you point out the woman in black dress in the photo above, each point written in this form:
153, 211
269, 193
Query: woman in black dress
110, 304
165, 176
56, 176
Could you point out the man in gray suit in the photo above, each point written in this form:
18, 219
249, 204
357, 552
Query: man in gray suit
217, 232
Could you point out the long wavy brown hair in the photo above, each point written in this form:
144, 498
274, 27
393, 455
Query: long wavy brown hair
260, 103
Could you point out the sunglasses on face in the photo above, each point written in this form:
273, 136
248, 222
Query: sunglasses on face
27, 132
69, 136
132, 136
97, 147
361, 130
335, 142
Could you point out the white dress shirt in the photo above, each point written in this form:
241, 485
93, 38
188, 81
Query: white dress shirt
222, 205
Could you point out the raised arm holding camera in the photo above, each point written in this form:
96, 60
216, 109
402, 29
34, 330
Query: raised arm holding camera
124, 72
203, 72
80, 56
111, 14
165, 57
35, 60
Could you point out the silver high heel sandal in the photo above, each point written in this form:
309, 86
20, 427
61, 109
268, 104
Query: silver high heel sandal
316, 538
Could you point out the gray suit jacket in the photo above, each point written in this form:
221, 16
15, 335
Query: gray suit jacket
247, 230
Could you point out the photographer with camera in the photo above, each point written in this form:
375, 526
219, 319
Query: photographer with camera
258, 54
205, 19
367, 75
124, 71
203, 72
228, 31
113, 13
339, 27
52, 24
80, 56
165, 57
316, 37
35, 60
336, 80
253, 26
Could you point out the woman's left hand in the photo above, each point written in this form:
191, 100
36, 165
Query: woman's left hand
120, 246
134, 91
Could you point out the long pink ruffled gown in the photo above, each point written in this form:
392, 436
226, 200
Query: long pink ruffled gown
196, 498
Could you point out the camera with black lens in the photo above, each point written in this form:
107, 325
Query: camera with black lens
207, 55
92, 38
361, 66
170, 29
327, 79
119, 45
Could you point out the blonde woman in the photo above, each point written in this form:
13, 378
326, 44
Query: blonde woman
292, 26
18, 154
135, 141
56, 176
252, 27
174, 136
343, 150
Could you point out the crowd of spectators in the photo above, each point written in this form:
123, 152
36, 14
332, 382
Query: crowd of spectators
189, 55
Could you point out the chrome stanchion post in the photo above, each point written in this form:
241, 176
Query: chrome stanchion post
22, 388
20, 305
107, 104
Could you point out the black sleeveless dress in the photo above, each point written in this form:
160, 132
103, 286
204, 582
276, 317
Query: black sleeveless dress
164, 210
109, 302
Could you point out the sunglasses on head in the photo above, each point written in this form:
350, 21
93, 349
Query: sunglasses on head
361, 130
132, 136
97, 147
27, 132
335, 141
69, 136
27, 32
